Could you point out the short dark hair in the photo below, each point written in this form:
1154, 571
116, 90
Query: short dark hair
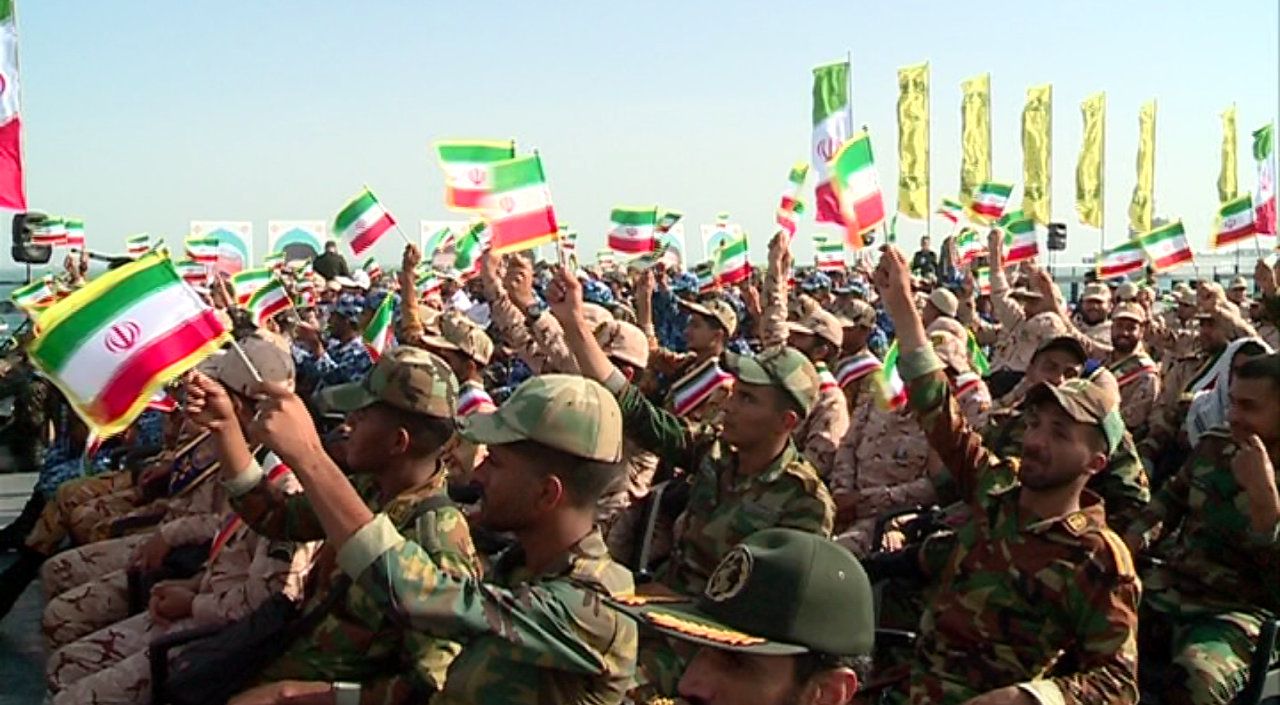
1251, 348
812, 663
1264, 367
585, 481
427, 434
786, 401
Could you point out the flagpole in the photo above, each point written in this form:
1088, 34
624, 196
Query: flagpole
849, 59
394, 222
928, 146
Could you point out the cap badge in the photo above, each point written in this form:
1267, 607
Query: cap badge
730, 576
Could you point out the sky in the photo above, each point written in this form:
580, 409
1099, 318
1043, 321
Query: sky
143, 115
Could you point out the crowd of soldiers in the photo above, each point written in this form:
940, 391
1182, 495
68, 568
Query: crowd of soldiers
583, 486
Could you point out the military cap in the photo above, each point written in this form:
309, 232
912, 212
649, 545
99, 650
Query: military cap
1068, 343
571, 414
624, 341
1187, 297
1088, 402
858, 313
781, 592
944, 301
822, 324
1127, 291
1239, 283
1097, 292
717, 310
259, 357
1130, 310
457, 332
782, 367
407, 378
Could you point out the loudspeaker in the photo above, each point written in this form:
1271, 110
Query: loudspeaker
24, 252
1057, 237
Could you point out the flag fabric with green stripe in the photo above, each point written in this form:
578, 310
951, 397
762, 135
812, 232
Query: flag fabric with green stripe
791, 206
1120, 260
891, 392
426, 282
437, 241
192, 272
468, 170
247, 282
989, 201
1167, 246
1019, 238
951, 209
667, 220
466, 255
51, 232
379, 335
832, 125
705, 272
982, 280
977, 359
854, 176
75, 233
274, 261
969, 246
137, 245
519, 208
13, 195
828, 253
1264, 152
731, 265
362, 222
110, 346
35, 296
1237, 221
632, 229
372, 268
267, 301
202, 249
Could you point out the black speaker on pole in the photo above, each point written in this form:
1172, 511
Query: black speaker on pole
1057, 237
24, 251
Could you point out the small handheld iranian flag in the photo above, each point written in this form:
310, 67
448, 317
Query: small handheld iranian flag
951, 209
648, 260
75, 233
1237, 221
274, 261
832, 125
51, 232
192, 272
828, 253
792, 207
372, 268
467, 170
989, 201
267, 301
1120, 260
853, 172
982, 280
667, 220
137, 245
362, 222
1167, 246
969, 246
891, 392
249, 281
202, 249
379, 334
12, 192
35, 296
697, 386
1019, 238
466, 255
427, 283
731, 261
1264, 152
605, 258
439, 240
110, 346
632, 229
519, 208
705, 273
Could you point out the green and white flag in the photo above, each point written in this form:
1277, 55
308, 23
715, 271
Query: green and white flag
267, 301
379, 334
632, 230
731, 265
466, 255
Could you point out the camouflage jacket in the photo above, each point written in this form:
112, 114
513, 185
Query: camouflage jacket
530, 638
1047, 604
724, 508
1212, 560
1123, 485
361, 640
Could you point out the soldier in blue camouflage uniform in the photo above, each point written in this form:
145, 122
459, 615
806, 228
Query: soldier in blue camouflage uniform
1218, 575
344, 359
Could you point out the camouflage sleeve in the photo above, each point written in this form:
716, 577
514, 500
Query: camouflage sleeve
190, 529
665, 362
823, 431
774, 326
1008, 312
276, 514
411, 328
510, 324
549, 337
1142, 399
553, 625
971, 467
1123, 486
656, 430
1164, 513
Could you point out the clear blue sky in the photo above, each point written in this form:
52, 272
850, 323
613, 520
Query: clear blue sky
145, 115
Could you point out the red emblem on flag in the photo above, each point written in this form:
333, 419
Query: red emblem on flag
123, 336
827, 148
631, 232
475, 175
507, 204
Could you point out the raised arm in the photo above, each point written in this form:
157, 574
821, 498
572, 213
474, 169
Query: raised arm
774, 319
410, 318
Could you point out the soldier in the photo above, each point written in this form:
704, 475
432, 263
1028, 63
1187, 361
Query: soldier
537, 630
467, 348
517, 314
1174, 335
1094, 313
1219, 575
1135, 372
1268, 304
1063, 628
856, 372
1238, 292
344, 358
817, 651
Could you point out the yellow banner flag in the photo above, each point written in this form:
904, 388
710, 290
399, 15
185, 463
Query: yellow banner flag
975, 134
1037, 153
913, 141
1142, 207
1228, 189
1090, 183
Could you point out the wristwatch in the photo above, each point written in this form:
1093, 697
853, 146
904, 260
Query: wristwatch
346, 693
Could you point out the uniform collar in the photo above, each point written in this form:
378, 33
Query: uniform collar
578, 561
770, 474
1089, 518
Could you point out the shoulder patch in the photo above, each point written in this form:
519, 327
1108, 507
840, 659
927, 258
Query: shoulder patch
1121, 557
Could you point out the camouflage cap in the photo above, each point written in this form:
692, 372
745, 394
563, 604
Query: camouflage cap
457, 332
782, 367
717, 310
1239, 283
1088, 402
944, 301
1097, 292
407, 378
1130, 310
780, 592
263, 358
595, 314
1127, 291
858, 313
624, 341
1187, 297
569, 413
822, 324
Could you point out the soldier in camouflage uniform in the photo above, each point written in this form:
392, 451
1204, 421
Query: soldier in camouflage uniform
1037, 599
1218, 577
746, 477
401, 416
817, 650
1093, 317
1134, 370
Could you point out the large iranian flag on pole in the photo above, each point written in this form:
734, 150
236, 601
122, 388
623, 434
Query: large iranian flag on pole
1264, 151
1167, 246
1121, 260
1237, 221
112, 345
519, 207
989, 201
632, 229
379, 334
832, 126
853, 173
362, 222
12, 189
467, 170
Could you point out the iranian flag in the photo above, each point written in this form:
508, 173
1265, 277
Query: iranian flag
667, 220
951, 209
828, 254
632, 229
466, 255
439, 240
137, 245
372, 268
113, 344
362, 222
35, 296
1237, 221
832, 125
853, 172
12, 189
1020, 241
249, 281
792, 207
891, 392
1121, 260
519, 207
568, 242
605, 258
468, 170
379, 334
1167, 246
1264, 152
969, 246
75, 233
51, 232
982, 280
989, 201
427, 283
267, 301
731, 264
274, 261
705, 272
202, 249
192, 272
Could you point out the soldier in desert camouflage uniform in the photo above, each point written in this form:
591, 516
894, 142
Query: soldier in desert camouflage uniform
1135, 372
1037, 598
1219, 575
